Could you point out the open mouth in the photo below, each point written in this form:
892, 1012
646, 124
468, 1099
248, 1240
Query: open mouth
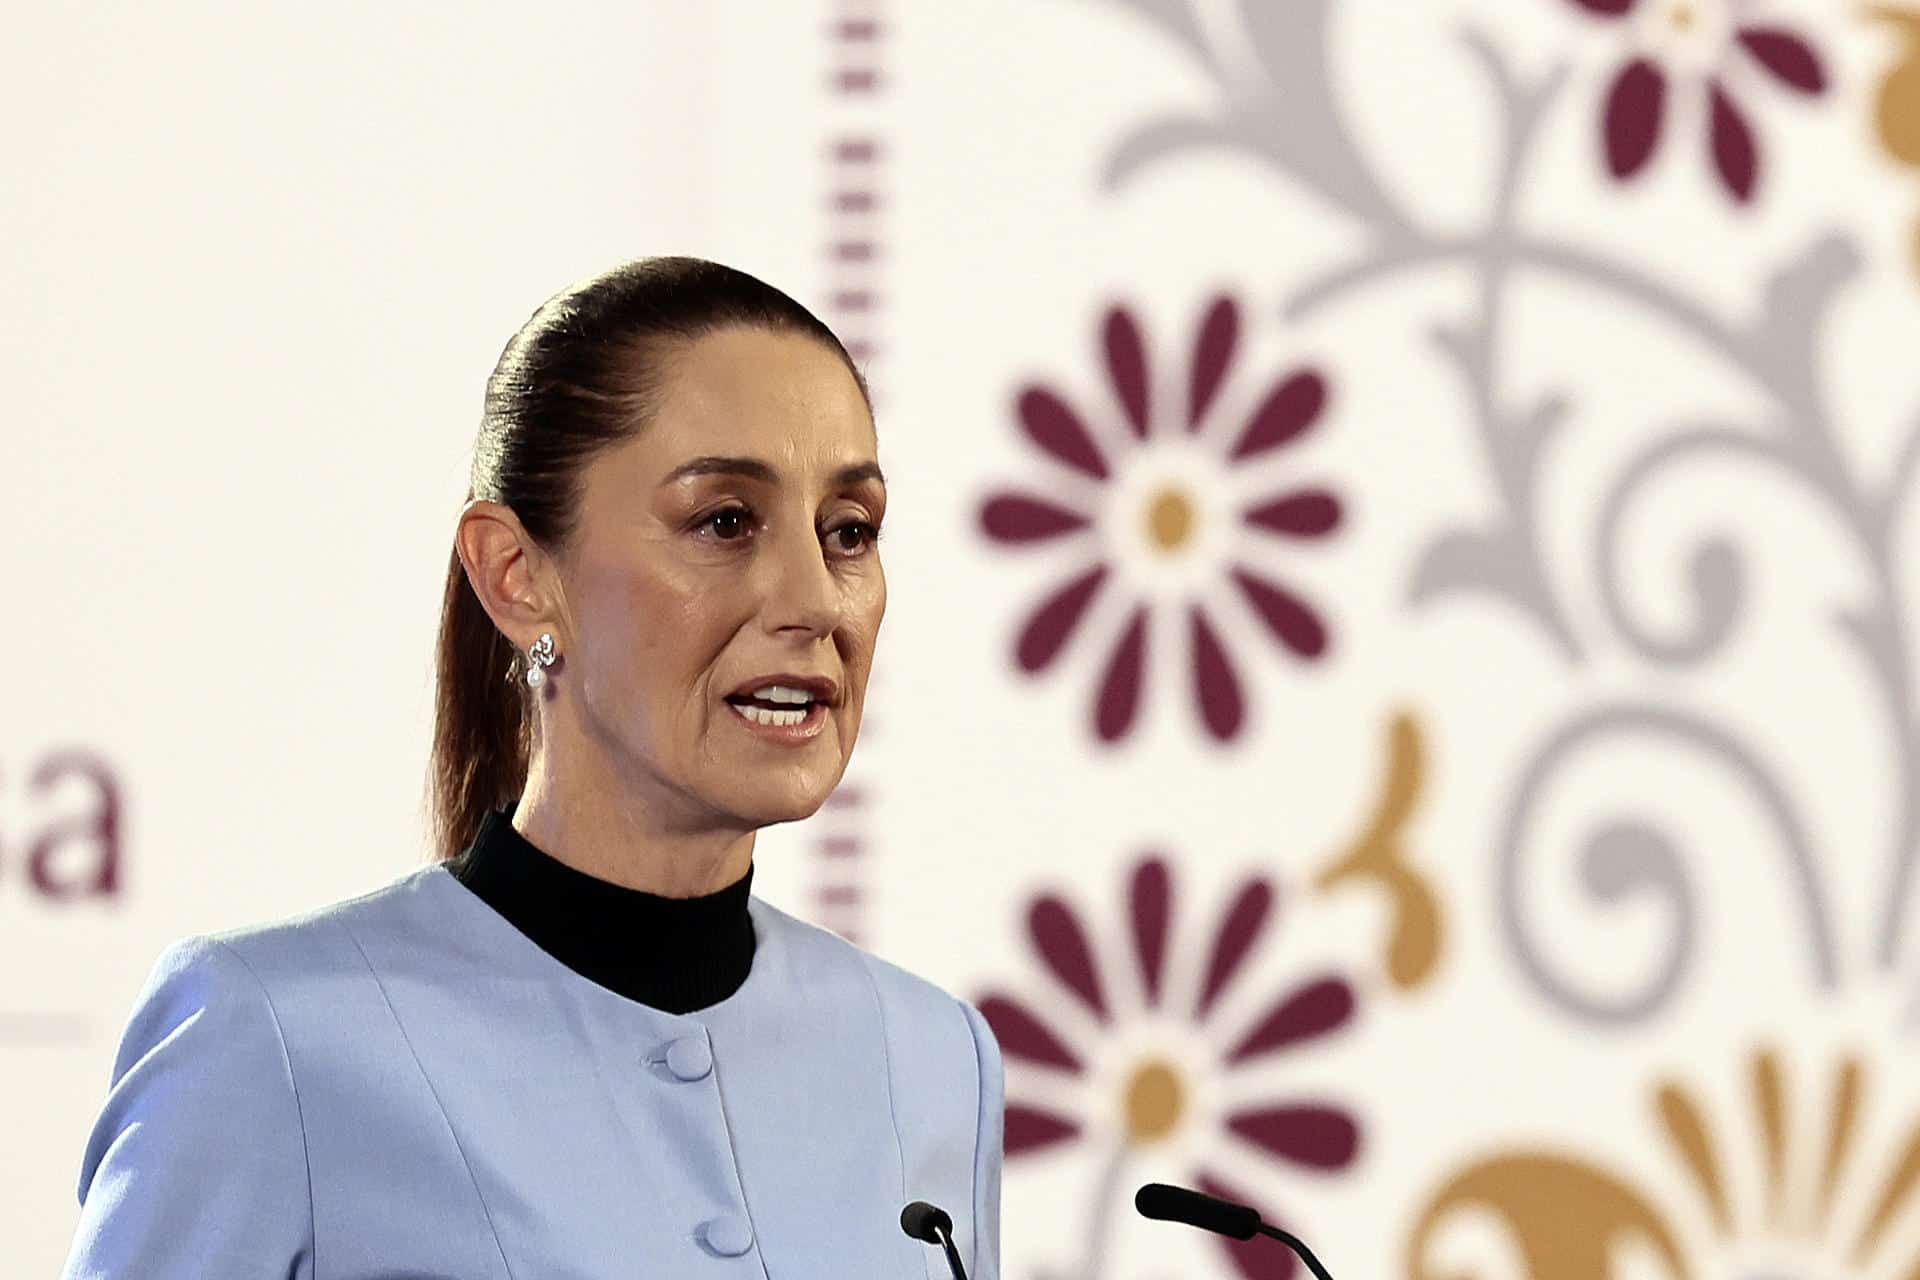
764, 712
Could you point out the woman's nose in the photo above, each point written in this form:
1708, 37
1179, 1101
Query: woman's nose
802, 589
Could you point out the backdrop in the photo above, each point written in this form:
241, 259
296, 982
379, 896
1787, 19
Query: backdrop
1401, 695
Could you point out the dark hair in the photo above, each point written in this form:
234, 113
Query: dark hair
584, 373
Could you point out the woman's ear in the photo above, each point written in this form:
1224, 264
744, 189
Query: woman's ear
506, 569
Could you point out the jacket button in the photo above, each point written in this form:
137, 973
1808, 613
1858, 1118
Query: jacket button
728, 1235
689, 1059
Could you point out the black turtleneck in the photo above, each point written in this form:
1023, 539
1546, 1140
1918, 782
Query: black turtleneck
675, 954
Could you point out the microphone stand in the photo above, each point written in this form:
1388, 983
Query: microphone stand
953, 1254
1299, 1247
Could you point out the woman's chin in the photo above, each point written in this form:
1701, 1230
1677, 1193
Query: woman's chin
795, 799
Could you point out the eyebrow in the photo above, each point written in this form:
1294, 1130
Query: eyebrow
711, 464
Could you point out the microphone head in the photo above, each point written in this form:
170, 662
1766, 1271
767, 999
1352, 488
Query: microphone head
1177, 1204
923, 1221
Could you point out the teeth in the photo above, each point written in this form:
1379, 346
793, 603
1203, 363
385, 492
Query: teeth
761, 715
781, 693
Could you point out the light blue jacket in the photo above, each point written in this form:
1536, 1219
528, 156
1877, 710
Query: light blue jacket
404, 1085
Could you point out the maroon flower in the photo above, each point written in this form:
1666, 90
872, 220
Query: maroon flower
1697, 41
1139, 1081
1158, 504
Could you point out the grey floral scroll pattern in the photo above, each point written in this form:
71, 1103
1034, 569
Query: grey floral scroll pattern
1629, 856
1278, 105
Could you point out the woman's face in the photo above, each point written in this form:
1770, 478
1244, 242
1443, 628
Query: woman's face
729, 543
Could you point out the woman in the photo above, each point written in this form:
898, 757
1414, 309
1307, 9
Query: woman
575, 1046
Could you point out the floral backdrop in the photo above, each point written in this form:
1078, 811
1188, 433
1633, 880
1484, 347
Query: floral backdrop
1401, 690
1647, 515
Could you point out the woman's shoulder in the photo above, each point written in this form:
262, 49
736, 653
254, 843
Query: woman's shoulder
249, 990
912, 1006
306, 945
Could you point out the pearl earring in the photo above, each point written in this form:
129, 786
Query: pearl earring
539, 657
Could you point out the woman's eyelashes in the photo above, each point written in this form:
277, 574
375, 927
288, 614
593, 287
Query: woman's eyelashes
733, 523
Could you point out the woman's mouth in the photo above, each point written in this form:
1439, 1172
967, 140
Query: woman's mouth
790, 725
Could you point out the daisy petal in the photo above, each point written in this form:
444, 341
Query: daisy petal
1309, 513
1631, 118
1321, 1137
1212, 353
1305, 1013
1150, 899
1062, 943
1120, 686
1016, 517
1127, 366
1030, 1129
1787, 56
1049, 626
1023, 1035
1256, 1258
1239, 930
1733, 149
1289, 409
1215, 685
1297, 626
1054, 426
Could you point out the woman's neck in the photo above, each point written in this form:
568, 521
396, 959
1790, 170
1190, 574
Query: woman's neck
588, 826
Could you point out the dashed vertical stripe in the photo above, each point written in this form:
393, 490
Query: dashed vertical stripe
854, 261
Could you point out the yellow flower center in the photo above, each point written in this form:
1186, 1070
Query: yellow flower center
1154, 1101
1686, 37
1169, 519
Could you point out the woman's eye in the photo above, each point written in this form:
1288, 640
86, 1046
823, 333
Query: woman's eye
728, 522
869, 534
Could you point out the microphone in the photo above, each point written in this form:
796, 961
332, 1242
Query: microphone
1177, 1204
923, 1221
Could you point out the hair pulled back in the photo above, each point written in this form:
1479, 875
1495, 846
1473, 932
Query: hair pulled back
583, 374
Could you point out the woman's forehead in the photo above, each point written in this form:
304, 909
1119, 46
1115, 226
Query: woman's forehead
682, 451
735, 373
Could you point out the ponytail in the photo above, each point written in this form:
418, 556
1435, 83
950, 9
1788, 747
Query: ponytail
481, 730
